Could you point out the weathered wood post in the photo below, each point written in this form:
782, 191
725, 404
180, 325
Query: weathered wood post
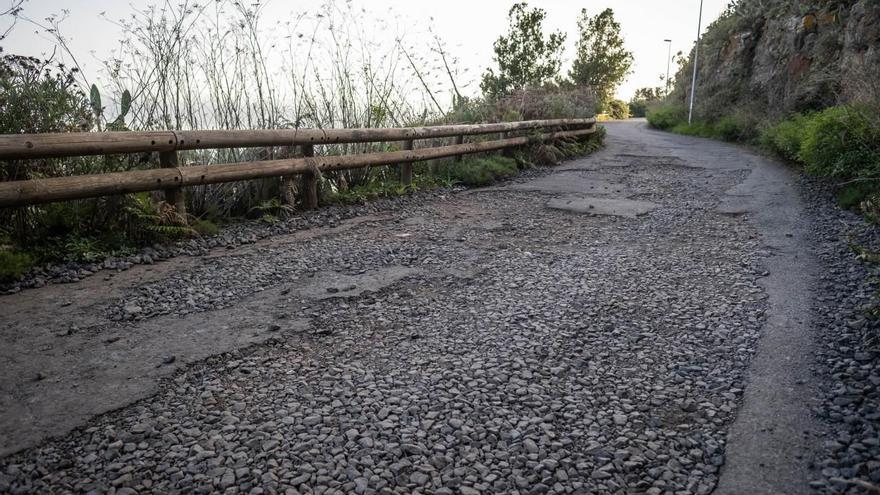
311, 180
508, 152
406, 169
288, 181
174, 197
459, 140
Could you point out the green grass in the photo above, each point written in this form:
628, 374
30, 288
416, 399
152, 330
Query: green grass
841, 143
736, 127
481, 171
665, 116
785, 138
205, 227
13, 265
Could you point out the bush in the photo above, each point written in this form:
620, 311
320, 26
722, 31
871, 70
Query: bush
40, 96
737, 127
535, 103
205, 227
841, 142
699, 129
482, 171
638, 108
548, 102
618, 109
786, 138
665, 117
14, 265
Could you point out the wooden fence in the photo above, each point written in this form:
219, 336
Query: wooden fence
171, 177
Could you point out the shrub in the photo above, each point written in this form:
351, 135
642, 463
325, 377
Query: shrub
40, 96
665, 117
532, 103
841, 142
618, 109
737, 127
638, 108
549, 102
14, 265
482, 171
699, 129
785, 138
205, 227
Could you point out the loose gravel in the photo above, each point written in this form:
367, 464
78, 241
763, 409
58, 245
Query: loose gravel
848, 356
528, 351
573, 354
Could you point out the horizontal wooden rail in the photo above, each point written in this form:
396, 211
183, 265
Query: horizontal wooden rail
29, 146
28, 192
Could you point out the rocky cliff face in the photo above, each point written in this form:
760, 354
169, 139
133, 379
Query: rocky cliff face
778, 56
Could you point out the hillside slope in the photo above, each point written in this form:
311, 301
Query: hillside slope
780, 56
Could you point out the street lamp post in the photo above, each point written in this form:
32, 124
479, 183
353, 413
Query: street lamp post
696, 61
668, 60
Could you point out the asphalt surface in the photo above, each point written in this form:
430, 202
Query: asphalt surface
636, 321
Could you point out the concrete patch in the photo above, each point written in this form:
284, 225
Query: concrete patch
603, 206
569, 183
77, 376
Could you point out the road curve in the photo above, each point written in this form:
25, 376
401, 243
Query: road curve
636, 321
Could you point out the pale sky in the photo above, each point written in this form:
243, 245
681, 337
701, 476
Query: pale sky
468, 26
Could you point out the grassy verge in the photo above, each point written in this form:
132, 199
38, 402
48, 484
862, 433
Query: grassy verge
841, 143
63, 237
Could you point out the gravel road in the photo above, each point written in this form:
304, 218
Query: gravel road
667, 316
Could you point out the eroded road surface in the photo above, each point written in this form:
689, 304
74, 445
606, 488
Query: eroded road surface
636, 321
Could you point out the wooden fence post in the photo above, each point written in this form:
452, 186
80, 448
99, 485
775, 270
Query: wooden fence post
459, 140
508, 152
311, 180
174, 197
288, 181
406, 168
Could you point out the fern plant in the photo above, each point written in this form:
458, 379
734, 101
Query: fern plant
155, 221
271, 210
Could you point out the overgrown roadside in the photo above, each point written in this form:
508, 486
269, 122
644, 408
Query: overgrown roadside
274, 218
845, 328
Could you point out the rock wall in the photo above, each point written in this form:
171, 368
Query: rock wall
780, 56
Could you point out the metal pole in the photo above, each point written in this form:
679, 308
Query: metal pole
696, 61
668, 61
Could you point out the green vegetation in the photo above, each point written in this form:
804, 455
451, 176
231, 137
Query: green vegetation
786, 137
602, 62
665, 116
482, 171
823, 113
225, 83
618, 109
524, 56
205, 227
643, 98
840, 142
14, 265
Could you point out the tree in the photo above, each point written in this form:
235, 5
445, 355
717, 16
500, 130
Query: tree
602, 61
649, 94
638, 106
524, 57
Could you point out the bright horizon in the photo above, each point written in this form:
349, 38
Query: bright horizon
468, 28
